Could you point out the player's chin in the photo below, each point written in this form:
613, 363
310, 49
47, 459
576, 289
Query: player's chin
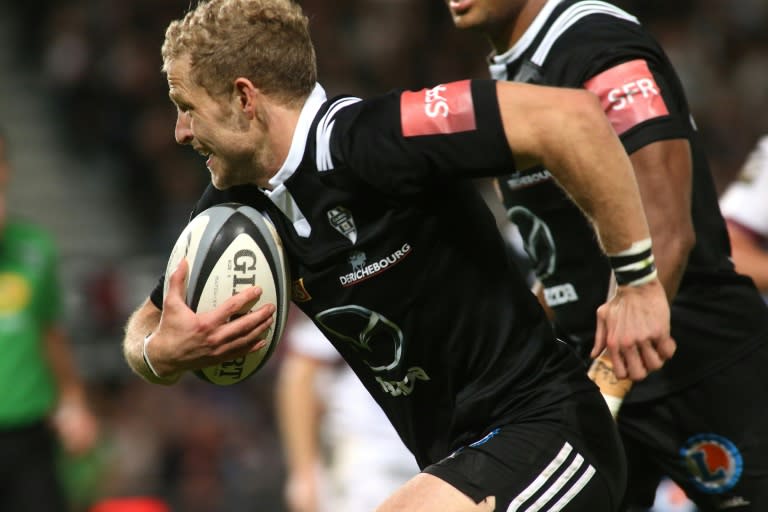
466, 21
219, 180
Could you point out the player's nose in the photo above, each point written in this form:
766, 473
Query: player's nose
183, 129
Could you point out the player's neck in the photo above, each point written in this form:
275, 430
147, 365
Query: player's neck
510, 32
283, 121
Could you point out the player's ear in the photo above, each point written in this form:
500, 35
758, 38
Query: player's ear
246, 95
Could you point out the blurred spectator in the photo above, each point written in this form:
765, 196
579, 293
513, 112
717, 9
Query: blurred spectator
43, 404
343, 454
745, 208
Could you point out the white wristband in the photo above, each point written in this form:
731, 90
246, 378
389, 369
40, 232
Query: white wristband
147, 339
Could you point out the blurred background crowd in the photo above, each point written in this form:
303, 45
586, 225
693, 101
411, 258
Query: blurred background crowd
85, 107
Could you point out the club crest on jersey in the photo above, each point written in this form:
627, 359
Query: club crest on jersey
629, 94
446, 108
342, 221
714, 462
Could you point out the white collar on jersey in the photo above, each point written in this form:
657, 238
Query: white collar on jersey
279, 194
299, 142
499, 62
565, 21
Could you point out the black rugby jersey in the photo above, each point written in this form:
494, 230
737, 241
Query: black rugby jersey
717, 315
398, 260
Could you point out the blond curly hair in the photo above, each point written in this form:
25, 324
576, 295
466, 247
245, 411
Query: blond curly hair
266, 41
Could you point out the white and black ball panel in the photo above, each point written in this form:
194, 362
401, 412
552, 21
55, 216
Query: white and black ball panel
231, 247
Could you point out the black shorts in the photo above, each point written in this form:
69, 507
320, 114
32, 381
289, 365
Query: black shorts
28, 477
711, 439
571, 455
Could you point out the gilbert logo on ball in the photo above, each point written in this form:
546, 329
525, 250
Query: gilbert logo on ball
230, 247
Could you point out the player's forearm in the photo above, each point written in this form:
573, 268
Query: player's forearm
664, 172
594, 170
142, 322
566, 131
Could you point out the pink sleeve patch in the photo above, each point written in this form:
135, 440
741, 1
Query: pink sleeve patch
629, 94
446, 108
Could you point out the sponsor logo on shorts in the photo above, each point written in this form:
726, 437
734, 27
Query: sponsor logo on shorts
362, 270
714, 462
629, 94
446, 108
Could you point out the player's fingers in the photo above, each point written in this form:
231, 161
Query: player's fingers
651, 359
666, 347
635, 368
237, 305
619, 364
244, 332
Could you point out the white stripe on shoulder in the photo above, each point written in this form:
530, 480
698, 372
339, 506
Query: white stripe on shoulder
543, 482
323, 133
572, 15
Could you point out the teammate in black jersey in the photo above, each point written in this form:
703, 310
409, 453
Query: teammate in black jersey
398, 260
696, 419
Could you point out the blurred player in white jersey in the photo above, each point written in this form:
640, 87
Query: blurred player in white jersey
342, 453
745, 207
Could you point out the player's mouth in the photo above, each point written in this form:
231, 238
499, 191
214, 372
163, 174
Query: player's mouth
459, 7
207, 154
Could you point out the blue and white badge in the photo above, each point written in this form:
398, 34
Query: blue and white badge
714, 462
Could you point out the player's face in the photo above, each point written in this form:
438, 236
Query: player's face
484, 15
215, 129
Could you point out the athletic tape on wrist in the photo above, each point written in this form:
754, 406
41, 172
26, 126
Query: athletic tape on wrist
147, 339
634, 266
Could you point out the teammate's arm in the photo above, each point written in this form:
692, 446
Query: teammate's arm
664, 173
566, 131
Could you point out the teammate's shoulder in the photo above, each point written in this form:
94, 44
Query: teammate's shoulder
588, 36
594, 23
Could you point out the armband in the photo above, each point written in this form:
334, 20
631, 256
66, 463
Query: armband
147, 339
634, 266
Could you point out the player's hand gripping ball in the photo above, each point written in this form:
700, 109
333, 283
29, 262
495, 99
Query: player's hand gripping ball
230, 247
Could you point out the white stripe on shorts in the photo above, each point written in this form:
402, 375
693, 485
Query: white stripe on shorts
551, 488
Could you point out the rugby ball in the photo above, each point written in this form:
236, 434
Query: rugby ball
230, 247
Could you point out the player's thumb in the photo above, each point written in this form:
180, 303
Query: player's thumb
178, 279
